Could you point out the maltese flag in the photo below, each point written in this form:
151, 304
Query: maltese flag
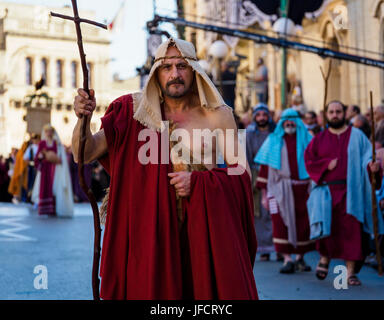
117, 23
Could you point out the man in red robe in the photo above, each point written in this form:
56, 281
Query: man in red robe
171, 233
284, 184
329, 158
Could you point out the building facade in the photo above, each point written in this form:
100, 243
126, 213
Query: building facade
34, 45
352, 26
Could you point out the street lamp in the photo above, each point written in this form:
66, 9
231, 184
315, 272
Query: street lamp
205, 65
284, 26
219, 51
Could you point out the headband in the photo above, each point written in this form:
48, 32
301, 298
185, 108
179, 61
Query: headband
175, 57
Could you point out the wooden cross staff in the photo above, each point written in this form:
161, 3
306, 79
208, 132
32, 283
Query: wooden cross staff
374, 203
325, 78
84, 122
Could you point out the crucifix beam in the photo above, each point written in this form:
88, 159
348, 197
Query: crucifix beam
77, 20
63, 16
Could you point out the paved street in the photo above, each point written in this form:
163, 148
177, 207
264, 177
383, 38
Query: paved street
64, 247
272, 285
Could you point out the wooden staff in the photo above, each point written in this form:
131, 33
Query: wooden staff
325, 78
374, 203
84, 122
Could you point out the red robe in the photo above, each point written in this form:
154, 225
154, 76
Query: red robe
46, 199
345, 241
300, 194
144, 255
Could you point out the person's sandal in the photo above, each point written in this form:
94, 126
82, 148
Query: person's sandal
322, 270
300, 265
354, 281
289, 267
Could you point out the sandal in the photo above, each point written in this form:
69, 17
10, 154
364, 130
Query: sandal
322, 270
289, 267
354, 281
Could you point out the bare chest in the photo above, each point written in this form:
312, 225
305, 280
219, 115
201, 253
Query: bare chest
193, 138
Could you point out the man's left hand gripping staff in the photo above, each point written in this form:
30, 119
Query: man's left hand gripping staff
182, 182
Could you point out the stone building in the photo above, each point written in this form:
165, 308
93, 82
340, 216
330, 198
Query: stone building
340, 24
34, 45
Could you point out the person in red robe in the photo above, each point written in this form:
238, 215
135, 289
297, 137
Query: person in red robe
4, 181
171, 233
327, 160
45, 161
284, 184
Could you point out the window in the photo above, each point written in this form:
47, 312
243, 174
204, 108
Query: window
59, 73
28, 70
90, 75
44, 70
74, 74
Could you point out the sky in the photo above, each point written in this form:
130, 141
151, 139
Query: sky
129, 47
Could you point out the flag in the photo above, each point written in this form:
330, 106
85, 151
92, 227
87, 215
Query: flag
117, 23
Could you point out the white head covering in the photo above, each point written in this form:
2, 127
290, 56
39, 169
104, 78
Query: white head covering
147, 104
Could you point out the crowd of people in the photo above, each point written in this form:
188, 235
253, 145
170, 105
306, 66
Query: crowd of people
312, 184
43, 172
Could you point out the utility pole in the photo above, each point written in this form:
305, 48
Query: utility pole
284, 6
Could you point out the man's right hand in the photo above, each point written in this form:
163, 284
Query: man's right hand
332, 165
84, 104
96, 144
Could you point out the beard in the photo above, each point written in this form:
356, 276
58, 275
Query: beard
290, 130
336, 123
262, 123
